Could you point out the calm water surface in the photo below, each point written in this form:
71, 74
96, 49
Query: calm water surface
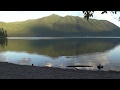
62, 52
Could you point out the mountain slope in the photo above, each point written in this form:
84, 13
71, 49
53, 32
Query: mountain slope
55, 25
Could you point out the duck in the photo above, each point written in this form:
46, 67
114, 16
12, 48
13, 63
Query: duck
99, 66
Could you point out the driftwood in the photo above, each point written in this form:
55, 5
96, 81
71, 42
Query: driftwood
75, 66
80, 66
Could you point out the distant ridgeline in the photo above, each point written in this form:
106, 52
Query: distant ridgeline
59, 26
3, 33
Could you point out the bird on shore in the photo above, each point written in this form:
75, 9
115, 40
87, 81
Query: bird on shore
99, 66
32, 64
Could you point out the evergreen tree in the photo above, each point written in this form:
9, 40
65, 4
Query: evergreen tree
3, 32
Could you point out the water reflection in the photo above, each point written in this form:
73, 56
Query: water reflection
3, 42
61, 47
63, 52
24, 61
93, 59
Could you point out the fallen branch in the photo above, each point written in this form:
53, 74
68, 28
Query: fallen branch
80, 66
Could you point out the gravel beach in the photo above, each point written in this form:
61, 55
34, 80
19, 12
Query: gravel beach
14, 71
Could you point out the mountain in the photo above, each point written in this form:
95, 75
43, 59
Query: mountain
55, 25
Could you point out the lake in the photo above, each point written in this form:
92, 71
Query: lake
61, 52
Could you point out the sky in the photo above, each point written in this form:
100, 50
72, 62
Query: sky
13, 16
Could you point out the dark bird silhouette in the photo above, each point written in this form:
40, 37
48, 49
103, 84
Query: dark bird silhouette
99, 66
32, 64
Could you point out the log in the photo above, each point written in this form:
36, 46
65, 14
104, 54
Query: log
80, 66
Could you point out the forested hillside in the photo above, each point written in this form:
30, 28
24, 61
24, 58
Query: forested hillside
55, 25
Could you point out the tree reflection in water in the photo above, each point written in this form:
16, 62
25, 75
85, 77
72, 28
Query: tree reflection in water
3, 42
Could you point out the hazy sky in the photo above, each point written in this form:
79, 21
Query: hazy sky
11, 16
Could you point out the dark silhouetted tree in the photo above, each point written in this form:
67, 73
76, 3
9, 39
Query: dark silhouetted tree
88, 14
3, 32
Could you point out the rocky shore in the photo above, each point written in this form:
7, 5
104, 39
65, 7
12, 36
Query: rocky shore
14, 71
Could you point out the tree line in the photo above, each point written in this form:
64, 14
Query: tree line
3, 33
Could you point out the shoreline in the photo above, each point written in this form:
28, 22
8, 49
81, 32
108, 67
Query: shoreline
15, 71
